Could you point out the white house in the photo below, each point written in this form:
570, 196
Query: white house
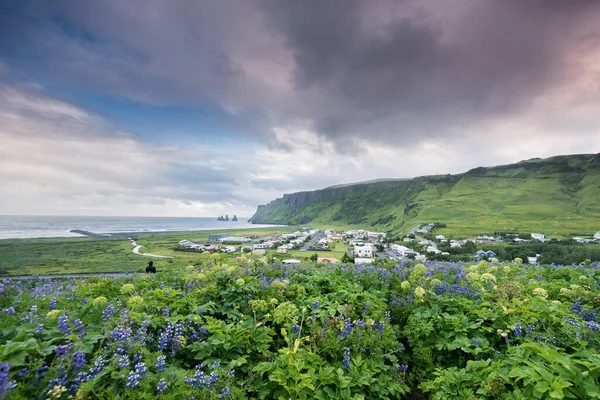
365, 251
455, 244
290, 261
402, 250
538, 236
579, 240
431, 249
229, 249
283, 249
597, 235
234, 239
440, 237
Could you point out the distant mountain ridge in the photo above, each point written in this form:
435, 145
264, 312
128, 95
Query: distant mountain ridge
557, 194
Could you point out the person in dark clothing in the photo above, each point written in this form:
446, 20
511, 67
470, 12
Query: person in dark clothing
151, 269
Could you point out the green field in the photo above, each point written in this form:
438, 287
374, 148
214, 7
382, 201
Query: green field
99, 255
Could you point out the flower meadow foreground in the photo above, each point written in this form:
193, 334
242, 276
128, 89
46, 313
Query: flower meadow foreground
433, 330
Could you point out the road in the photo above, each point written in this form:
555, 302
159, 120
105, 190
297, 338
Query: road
312, 241
136, 250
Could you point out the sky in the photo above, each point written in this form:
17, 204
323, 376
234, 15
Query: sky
201, 108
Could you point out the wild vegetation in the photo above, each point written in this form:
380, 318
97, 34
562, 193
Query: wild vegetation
557, 196
215, 331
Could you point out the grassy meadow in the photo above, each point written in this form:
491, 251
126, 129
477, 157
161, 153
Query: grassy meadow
100, 255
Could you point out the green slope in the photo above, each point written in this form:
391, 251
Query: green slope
558, 195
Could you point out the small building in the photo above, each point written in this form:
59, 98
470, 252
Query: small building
538, 236
234, 239
290, 261
597, 236
440, 237
455, 244
402, 250
283, 249
365, 251
482, 254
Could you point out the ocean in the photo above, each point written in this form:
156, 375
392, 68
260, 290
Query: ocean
19, 226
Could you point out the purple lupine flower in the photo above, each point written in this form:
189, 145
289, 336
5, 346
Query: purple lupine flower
98, 366
52, 305
366, 308
80, 327
315, 305
63, 325
133, 380
120, 334
388, 315
403, 368
140, 368
137, 357
39, 330
216, 365
23, 373
166, 312
60, 380
160, 363
347, 329
295, 329
225, 393
162, 386
518, 331
6, 385
346, 360
108, 312
9, 311
123, 362
79, 360
62, 350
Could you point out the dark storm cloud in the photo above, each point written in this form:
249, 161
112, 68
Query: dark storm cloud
415, 73
388, 70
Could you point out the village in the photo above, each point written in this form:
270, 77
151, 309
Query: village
363, 246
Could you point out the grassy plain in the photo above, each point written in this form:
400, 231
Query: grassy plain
102, 255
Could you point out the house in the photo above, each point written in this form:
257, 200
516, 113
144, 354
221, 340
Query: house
455, 244
290, 261
482, 254
533, 260
359, 261
402, 250
440, 237
229, 249
579, 240
364, 251
485, 239
538, 236
407, 239
265, 245
327, 260
283, 249
597, 236
519, 240
234, 239
431, 249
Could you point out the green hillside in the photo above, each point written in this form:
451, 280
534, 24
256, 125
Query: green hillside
557, 196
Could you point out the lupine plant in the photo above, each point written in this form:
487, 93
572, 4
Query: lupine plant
433, 330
